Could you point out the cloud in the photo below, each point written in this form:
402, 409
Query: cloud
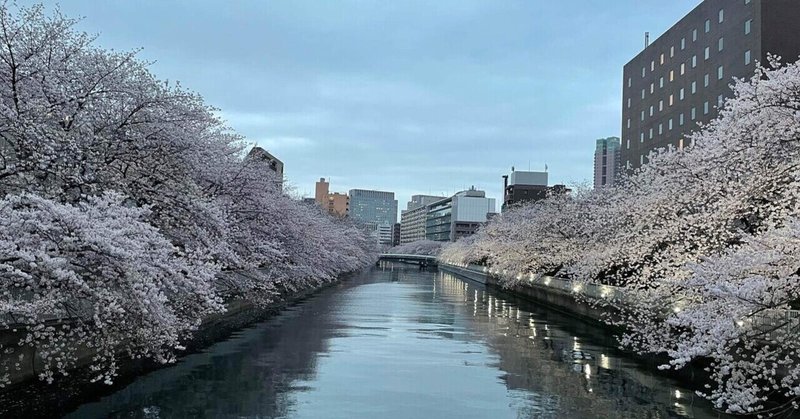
245, 121
286, 143
401, 96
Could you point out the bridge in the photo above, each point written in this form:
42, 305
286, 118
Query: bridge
412, 259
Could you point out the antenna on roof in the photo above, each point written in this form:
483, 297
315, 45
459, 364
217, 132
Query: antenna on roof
646, 39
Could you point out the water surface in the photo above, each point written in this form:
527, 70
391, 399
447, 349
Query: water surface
398, 343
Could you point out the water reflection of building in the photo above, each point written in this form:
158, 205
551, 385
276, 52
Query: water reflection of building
541, 358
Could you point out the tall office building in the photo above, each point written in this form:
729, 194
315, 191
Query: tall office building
375, 209
606, 162
412, 219
682, 78
458, 216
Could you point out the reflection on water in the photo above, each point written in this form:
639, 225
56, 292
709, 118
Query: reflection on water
398, 343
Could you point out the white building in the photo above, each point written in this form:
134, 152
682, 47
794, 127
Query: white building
384, 234
412, 219
459, 215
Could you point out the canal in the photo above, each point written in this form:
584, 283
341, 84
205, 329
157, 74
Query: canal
394, 342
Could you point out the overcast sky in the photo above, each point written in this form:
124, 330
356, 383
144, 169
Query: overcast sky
414, 97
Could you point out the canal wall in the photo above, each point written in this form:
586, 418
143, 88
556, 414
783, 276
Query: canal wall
239, 314
560, 297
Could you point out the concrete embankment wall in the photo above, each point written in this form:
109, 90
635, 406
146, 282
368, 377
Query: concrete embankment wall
554, 298
692, 376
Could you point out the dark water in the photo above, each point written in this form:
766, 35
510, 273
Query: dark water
398, 343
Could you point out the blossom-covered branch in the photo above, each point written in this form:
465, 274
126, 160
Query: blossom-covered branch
703, 241
128, 210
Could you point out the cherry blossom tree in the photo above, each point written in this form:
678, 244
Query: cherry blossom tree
129, 211
419, 247
702, 242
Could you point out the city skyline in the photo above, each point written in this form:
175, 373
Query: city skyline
376, 84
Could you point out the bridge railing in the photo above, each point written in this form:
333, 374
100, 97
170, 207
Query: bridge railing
393, 256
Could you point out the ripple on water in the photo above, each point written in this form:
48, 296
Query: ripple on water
399, 343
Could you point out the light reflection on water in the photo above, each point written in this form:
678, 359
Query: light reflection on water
398, 343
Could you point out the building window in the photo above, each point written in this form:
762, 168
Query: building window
651, 133
652, 88
720, 101
670, 124
694, 113
661, 61
705, 80
629, 103
721, 15
652, 65
694, 61
629, 82
671, 51
694, 87
642, 93
660, 129
641, 137
671, 97
680, 119
661, 82
747, 57
643, 70
694, 35
720, 44
707, 53
747, 25
708, 26
642, 115
660, 105
672, 75
641, 159
629, 123
681, 93
651, 110
705, 108
683, 68
683, 44
719, 73
746, 1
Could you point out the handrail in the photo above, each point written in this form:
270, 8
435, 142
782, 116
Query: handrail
404, 256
